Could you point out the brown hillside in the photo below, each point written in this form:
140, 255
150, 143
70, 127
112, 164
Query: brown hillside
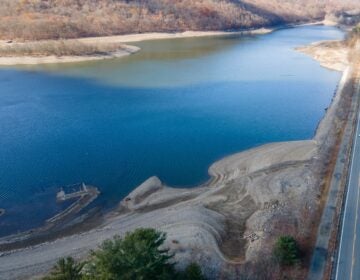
51, 19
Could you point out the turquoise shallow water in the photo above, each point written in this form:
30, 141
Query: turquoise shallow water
170, 110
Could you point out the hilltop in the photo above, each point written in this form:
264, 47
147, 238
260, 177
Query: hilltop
43, 19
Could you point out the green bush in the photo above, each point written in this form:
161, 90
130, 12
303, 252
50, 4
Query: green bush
193, 272
137, 256
286, 250
357, 29
355, 33
66, 269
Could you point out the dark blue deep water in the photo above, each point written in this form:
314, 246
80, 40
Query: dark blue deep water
171, 110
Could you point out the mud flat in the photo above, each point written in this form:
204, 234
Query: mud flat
252, 198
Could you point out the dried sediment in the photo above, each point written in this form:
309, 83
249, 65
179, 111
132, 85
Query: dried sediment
331, 54
208, 224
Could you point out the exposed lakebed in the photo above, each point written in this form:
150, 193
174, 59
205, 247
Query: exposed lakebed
170, 110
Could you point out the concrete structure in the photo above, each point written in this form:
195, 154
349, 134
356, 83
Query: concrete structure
62, 195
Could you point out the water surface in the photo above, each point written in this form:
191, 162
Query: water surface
170, 110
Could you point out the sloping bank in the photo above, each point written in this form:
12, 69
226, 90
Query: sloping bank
92, 48
252, 198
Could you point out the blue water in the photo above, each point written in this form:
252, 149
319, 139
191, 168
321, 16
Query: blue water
170, 110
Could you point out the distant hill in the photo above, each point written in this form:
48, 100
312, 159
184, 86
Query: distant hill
52, 19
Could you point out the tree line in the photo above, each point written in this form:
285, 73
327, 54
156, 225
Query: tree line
43, 19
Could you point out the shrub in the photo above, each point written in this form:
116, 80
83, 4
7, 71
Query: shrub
286, 250
193, 272
66, 269
356, 30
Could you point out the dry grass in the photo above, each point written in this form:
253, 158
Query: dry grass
57, 48
354, 42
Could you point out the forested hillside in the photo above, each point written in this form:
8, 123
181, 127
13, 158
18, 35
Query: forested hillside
49, 19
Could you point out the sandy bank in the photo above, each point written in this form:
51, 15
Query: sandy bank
126, 50
131, 38
33, 60
331, 54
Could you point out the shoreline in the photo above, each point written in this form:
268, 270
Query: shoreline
52, 59
132, 38
332, 55
127, 49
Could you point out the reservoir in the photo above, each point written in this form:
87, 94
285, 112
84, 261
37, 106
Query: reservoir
170, 110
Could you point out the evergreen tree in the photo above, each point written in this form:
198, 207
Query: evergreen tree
286, 250
193, 272
138, 256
